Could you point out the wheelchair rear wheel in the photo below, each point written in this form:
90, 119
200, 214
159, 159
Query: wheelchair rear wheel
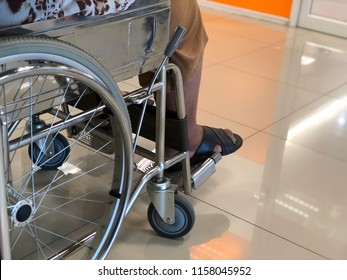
69, 192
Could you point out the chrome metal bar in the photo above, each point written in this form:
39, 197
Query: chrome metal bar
73, 248
27, 139
205, 171
140, 185
138, 130
12, 127
4, 225
160, 124
5, 149
181, 114
177, 158
180, 101
140, 95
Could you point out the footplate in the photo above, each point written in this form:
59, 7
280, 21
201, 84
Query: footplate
200, 172
95, 138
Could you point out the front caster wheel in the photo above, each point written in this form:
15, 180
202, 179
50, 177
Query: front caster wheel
184, 219
61, 152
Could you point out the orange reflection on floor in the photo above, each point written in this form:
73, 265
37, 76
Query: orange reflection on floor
228, 246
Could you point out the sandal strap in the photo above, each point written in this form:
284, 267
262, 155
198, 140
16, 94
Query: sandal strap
217, 136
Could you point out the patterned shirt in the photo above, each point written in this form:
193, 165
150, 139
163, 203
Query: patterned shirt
16, 12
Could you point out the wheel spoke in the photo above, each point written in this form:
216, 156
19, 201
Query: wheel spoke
57, 184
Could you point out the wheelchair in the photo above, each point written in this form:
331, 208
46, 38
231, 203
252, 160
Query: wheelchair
67, 182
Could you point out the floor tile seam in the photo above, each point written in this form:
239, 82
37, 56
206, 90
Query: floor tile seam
230, 35
303, 107
332, 91
317, 151
210, 63
325, 36
260, 227
299, 144
244, 55
266, 45
259, 22
230, 120
331, 59
263, 132
247, 53
291, 113
303, 35
319, 95
222, 63
270, 45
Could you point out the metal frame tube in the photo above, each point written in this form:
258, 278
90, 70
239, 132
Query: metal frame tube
4, 223
59, 126
181, 114
160, 123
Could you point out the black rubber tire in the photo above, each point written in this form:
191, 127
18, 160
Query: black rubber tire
61, 150
184, 219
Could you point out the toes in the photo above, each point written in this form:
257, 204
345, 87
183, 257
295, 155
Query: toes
230, 134
217, 148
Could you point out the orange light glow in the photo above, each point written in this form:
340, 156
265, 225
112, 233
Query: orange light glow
228, 246
274, 7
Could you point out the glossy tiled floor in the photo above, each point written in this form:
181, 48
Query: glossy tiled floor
284, 194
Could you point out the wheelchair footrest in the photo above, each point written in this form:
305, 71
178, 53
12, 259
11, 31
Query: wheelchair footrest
200, 172
96, 138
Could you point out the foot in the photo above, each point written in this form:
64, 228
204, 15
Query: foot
207, 140
197, 139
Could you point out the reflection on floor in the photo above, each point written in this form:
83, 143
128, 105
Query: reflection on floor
283, 195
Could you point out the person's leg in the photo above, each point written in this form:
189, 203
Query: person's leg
189, 58
195, 131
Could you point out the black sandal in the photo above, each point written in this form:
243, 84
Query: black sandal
216, 136
212, 137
